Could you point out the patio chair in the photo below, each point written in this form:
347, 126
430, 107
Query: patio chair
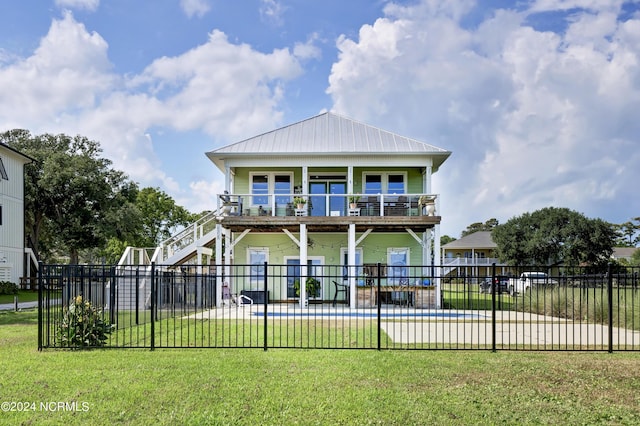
229, 298
341, 288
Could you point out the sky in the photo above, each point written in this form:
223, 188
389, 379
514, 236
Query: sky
538, 100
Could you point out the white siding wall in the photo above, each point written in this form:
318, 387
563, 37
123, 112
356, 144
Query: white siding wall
12, 228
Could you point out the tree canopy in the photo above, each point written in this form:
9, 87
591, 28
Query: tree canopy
479, 226
75, 200
552, 235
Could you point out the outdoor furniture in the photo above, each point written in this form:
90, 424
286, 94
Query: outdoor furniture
341, 288
369, 206
396, 207
229, 206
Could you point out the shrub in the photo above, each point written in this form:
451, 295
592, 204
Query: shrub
83, 325
7, 287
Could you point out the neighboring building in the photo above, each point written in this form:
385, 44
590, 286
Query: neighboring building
471, 255
623, 253
326, 160
12, 248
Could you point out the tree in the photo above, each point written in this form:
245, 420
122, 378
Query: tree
73, 199
160, 216
627, 233
553, 235
479, 226
446, 239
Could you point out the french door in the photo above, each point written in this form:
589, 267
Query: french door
321, 205
314, 269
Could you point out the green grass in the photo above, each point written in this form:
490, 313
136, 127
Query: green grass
23, 296
342, 387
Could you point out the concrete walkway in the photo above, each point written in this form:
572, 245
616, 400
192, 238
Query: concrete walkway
24, 305
457, 328
21, 305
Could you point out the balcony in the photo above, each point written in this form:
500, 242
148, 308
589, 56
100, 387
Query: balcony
328, 212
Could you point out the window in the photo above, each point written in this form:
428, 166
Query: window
358, 266
395, 184
282, 185
257, 257
398, 262
385, 183
373, 184
263, 184
3, 171
260, 185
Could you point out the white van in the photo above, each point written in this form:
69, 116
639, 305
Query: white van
528, 280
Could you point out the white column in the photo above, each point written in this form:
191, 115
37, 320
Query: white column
228, 259
305, 179
351, 257
218, 265
304, 272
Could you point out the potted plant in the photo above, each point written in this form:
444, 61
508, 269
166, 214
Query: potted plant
299, 202
353, 201
313, 287
428, 204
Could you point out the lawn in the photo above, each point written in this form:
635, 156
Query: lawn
289, 386
23, 296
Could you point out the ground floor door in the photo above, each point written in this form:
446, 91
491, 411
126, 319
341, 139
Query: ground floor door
314, 269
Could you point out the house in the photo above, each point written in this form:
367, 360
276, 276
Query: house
472, 255
12, 247
623, 253
328, 190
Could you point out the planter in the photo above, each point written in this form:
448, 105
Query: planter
300, 206
353, 206
429, 209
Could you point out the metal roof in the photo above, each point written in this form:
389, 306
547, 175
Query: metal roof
477, 240
328, 134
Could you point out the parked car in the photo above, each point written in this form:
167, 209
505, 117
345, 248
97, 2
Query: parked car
502, 285
528, 280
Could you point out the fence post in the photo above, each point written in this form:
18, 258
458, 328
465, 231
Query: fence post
40, 324
379, 304
493, 307
153, 305
610, 304
264, 299
112, 295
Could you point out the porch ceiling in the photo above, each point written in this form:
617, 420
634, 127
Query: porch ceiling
329, 223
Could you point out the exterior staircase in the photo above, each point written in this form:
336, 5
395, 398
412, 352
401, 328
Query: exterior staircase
133, 273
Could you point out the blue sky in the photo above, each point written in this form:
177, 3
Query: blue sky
538, 100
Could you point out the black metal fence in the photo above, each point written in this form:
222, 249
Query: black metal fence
356, 307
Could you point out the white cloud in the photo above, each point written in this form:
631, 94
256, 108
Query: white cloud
193, 8
90, 5
272, 11
533, 118
308, 50
68, 85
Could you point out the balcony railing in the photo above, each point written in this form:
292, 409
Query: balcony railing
328, 204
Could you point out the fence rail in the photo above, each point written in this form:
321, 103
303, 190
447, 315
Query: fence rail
347, 307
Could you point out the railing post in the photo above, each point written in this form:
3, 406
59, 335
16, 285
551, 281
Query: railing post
493, 307
40, 324
153, 305
379, 305
610, 304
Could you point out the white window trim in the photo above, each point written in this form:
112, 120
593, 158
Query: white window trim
271, 184
384, 179
251, 250
391, 250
